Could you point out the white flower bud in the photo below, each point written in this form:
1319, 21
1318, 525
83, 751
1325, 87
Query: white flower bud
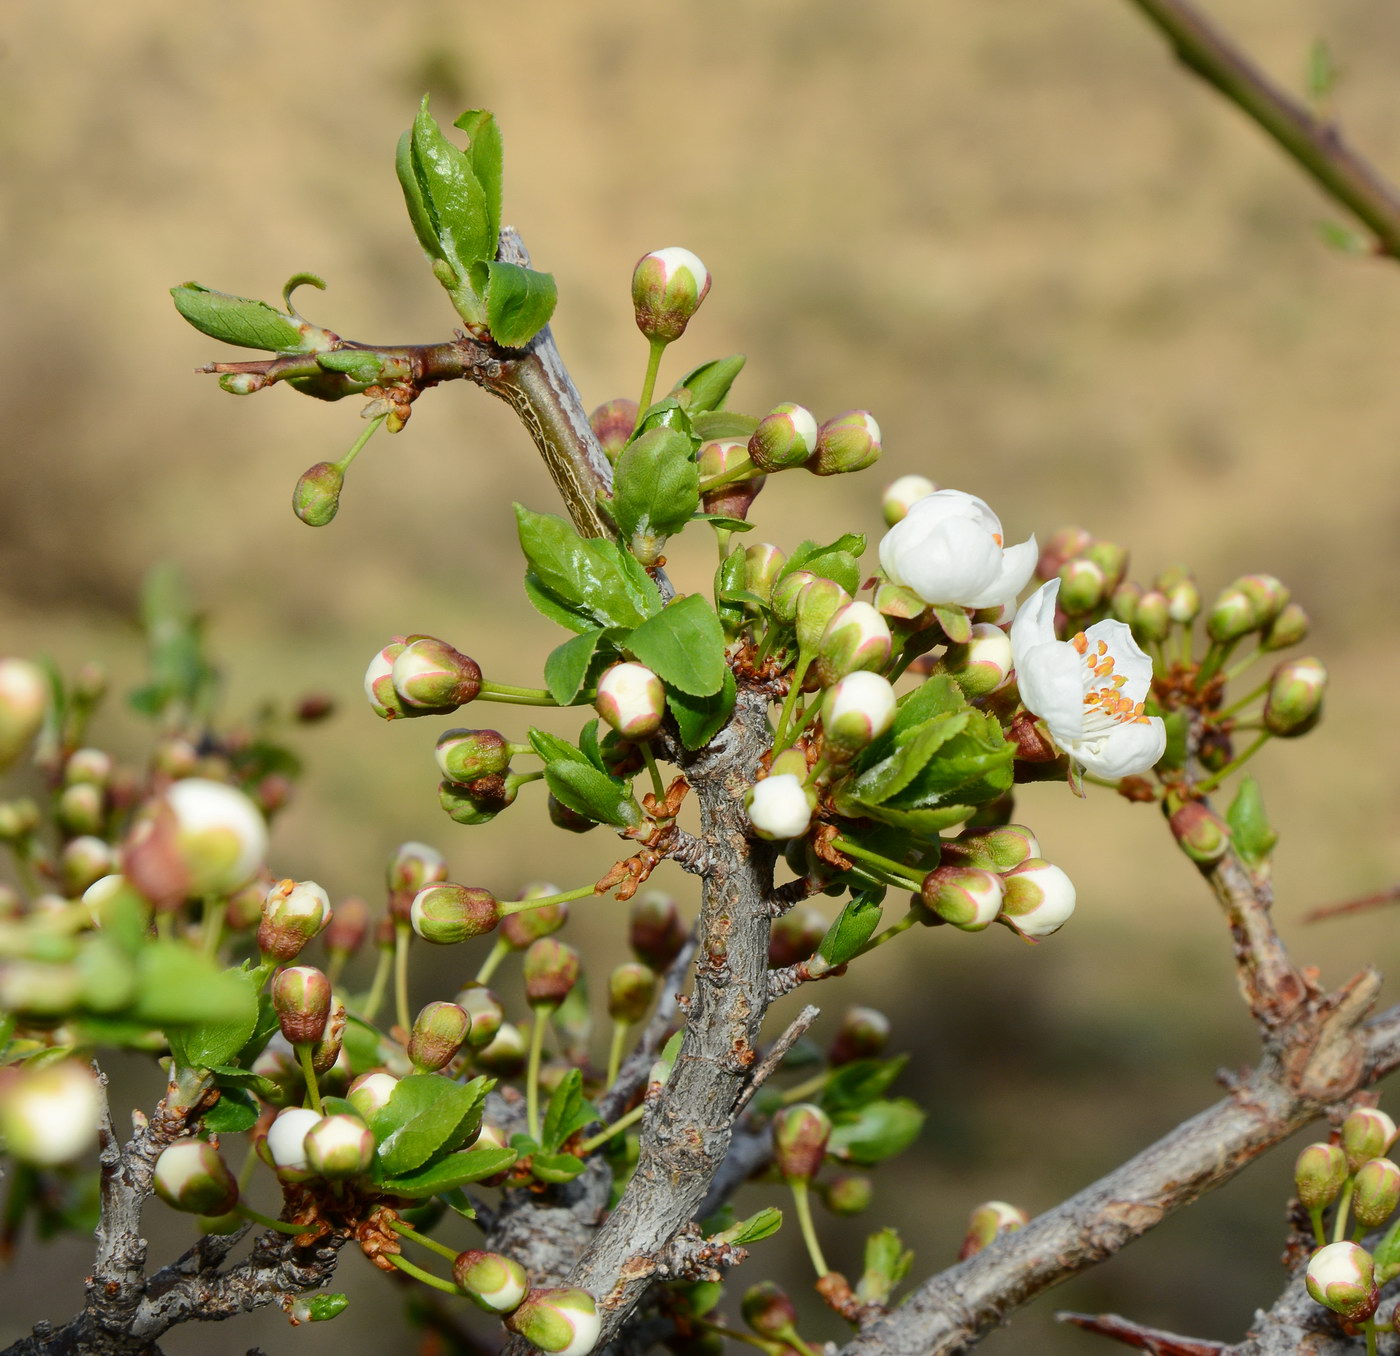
24, 693
668, 286
982, 665
632, 700
220, 835
286, 1138
1342, 1277
49, 1115
371, 1091
859, 708
1039, 898
901, 495
337, 1147
856, 638
779, 807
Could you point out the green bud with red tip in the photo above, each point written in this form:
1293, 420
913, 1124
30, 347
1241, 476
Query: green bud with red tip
371, 1091
785, 437
987, 1222
439, 1032
762, 563
816, 605
612, 424
339, 1147
632, 700
769, 1312
901, 495
1290, 627
83, 861
1153, 621
1268, 594
668, 286
800, 1135
190, 1175
1294, 703
316, 498
521, 930
1341, 1276
631, 990
993, 849
492, 1281
1083, 586
1319, 1175
1376, 1192
431, 676
301, 997
292, 914
412, 866
719, 458
848, 442
848, 1195
1183, 599
82, 808
446, 914
348, 928
551, 970
1232, 615
1064, 544
465, 755
1123, 605
785, 594
379, 683
857, 710
486, 1012
655, 930
1202, 835
863, 1034
562, 1322
1112, 560
856, 639
964, 896
983, 664
562, 817
1367, 1133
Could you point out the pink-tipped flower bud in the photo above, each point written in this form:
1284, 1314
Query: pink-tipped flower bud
817, 604
849, 442
24, 696
983, 664
465, 755
1233, 614
800, 1135
1319, 1175
1065, 544
795, 936
780, 807
785, 594
668, 286
1183, 600
316, 496
901, 495
1341, 1276
1294, 703
631, 989
655, 930
1112, 560
371, 1091
1083, 586
201, 838
348, 927
560, 1322
986, 1222
292, 914
1201, 834
286, 1142
379, 683
1367, 1133
857, 710
769, 1312
785, 437
301, 997
412, 866
863, 1034
1376, 1192
1268, 594
338, 1147
492, 1281
1153, 620
439, 1032
49, 1114
612, 425
505, 1054
446, 914
762, 563
719, 458
432, 676
486, 1012
87, 767
1290, 627
84, 861
551, 970
632, 700
81, 808
998, 849
1039, 898
191, 1175
857, 638
963, 896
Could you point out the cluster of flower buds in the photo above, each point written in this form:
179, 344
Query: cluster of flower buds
420, 676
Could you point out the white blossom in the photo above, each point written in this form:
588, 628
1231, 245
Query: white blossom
779, 808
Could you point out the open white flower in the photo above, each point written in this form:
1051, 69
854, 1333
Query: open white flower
1089, 690
949, 548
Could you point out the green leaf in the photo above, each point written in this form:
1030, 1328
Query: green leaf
757, 1227
1322, 71
1343, 239
209, 1043
571, 666
548, 604
854, 926
1250, 830
176, 986
656, 489
684, 646
706, 388
931, 698
728, 524
851, 544
887, 1262
568, 1111
487, 156
519, 301
860, 1082
556, 1168
229, 1076
323, 1307
418, 213
840, 566
587, 576
713, 424
233, 1113
926, 824
973, 766
426, 1116
700, 719
589, 792
887, 778
667, 413
238, 320
588, 745
876, 1132
452, 196
457, 1169
356, 363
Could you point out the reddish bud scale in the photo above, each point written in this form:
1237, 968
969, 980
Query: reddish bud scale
439, 1032
800, 1135
486, 1012
655, 931
301, 997
612, 425
1203, 836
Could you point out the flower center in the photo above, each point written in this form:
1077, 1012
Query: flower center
1105, 705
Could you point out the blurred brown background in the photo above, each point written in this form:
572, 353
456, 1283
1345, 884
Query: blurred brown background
1062, 275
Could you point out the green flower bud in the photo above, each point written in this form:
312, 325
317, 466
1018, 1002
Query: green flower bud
505, 1054
1341, 1277
301, 997
1290, 627
1112, 559
379, 683
1183, 600
800, 1134
849, 442
339, 1147
857, 710
316, 1308
83, 862
486, 1012
371, 1091
1367, 1133
465, 755
49, 1114
1202, 835
316, 498
1269, 595
612, 425
718, 458
1063, 545
668, 286
993, 849
492, 1282
963, 896
655, 931
857, 638
446, 914
768, 1311
786, 592
1124, 603
1376, 1192
551, 970
817, 604
477, 802
522, 929
293, 913
348, 927
986, 1222
24, 696
863, 1034
562, 817
439, 1032
901, 495
1083, 586
631, 989
432, 676
984, 664
1153, 621
87, 766
82, 808
762, 562
1233, 614
413, 866
190, 1175
1294, 703
785, 437
559, 1322
780, 806
632, 700
1319, 1175
795, 936
848, 1195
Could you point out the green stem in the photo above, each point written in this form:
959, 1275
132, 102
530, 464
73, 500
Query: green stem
1216, 654
525, 696
771, 1348
1369, 1328
211, 927
799, 672
619, 1044
418, 1274
336, 967
1245, 700
532, 1073
886, 864
402, 932
658, 347
802, 1200
378, 984
1319, 1228
800, 1092
308, 1071
741, 470
354, 450
1339, 1226
407, 1231
1211, 782
616, 1128
492, 962
525, 905
657, 785
891, 932
279, 1225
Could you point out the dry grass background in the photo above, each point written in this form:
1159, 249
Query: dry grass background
1062, 275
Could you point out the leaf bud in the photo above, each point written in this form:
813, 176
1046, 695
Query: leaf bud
315, 1308
800, 1134
964, 896
1065, 544
439, 1032
316, 497
191, 1175
785, 594
1367, 1133
857, 710
1341, 1277
84, 861
1319, 1175
986, 1222
560, 1322
505, 1054
551, 970
285, 1144
486, 1012
762, 562
522, 929
863, 1034
1201, 834
785, 437
379, 683
612, 425
24, 696
446, 914
1233, 614
655, 931
993, 849
1290, 627
1153, 620
848, 442
632, 700
1376, 1192
779, 807
857, 638
1294, 703
718, 458
848, 1195
348, 927
1083, 586
1123, 605
465, 755
293, 913
371, 1091
412, 866
1039, 898
631, 989
49, 1114
668, 286
301, 998
982, 665
795, 936
81, 808
432, 676
1268, 594
768, 1311
901, 495
562, 817
492, 1281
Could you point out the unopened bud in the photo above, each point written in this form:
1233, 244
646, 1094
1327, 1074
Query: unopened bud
994, 849
348, 927
379, 683
1233, 614
486, 1012
327, 1050
301, 997
1153, 620
1341, 1277
668, 286
465, 755
81, 808
371, 1091
1063, 545
849, 442
1203, 836
1376, 1192
848, 1195
1290, 627
285, 1145
768, 1311
316, 498
493, 1282
863, 1034
559, 1322
505, 1054
201, 838
800, 1134
446, 914
1268, 594
632, 700
655, 931
858, 709
795, 936
1124, 604
84, 861
551, 969
631, 989
1367, 1133
1039, 898
439, 1032
293, 913
432, 676
817, 604
49, 1115
477, 802
1319, 1175
24, 696
787, 591
963, 896
762, 562
338, 1147
982, 665
412, 866
191, 1175
719, 458
1183, 600
987, 1221
1294, 703
779, 807
612, 425
562, 817
1082, 586
857, 638
90, 766
785, 437
901, 495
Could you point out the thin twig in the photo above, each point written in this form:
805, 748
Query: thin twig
768, 1065
1366, 902
1152, 1340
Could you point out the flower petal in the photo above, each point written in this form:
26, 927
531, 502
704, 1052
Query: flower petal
954, 560
1124, 751
1048, 677
1017, 565
1129, 661
1035, 622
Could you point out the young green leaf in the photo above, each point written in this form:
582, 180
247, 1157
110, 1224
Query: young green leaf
519, 301
552, 748
700, 719
706, 388
590, 577
454, 198
425, 1117
234, 1112
239, 320
879, 1130
457, 1169
418, 213
854, 926
887, 778
712, 424
684, 646
209, 1043
860, 1082
572, 666
487, 156
556, 1168
176, 986
567, 1113
589, 792
752, 1230
656, 489
1250, 830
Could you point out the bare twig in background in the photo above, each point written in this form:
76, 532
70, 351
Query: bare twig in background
1152, 1340
1362, 905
